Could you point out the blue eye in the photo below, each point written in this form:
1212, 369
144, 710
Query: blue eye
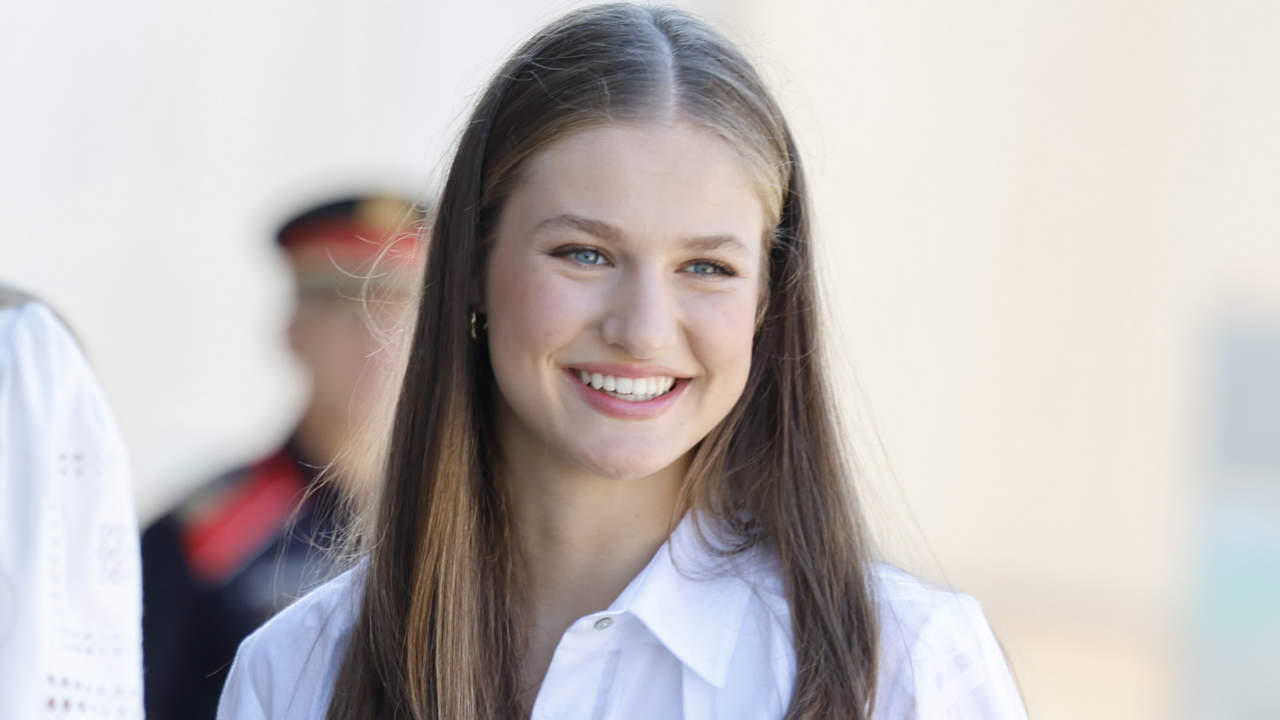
706, 267
587, 256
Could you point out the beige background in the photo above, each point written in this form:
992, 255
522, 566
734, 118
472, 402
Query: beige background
1031, 215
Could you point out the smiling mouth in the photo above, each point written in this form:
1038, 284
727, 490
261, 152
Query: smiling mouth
627, 388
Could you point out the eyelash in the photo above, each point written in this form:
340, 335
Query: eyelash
720, 269
571, 250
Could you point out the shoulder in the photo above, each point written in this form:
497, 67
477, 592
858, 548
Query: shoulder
908, 604
59, 414
938, 655
287, 667
32, 326
42, 367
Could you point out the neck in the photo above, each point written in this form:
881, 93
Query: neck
581, 537
584, 537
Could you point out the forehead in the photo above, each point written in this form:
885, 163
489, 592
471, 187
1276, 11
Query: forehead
654, 180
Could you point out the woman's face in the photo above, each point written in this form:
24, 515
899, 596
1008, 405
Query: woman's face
621, 295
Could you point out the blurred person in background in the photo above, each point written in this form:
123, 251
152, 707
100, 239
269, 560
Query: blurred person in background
70, 609
244, 545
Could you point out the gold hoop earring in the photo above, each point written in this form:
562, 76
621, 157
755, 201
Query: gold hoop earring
478, 326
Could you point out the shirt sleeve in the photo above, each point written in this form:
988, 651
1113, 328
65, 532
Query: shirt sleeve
70, 605
954, 668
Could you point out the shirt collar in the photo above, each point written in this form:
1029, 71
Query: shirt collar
693, 600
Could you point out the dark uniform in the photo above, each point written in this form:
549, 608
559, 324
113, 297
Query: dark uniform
220, 565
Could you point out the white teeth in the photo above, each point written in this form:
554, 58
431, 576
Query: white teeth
627, 388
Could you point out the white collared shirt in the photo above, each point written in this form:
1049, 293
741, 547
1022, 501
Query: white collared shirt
687, 638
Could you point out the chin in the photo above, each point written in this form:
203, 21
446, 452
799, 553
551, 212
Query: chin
628, 467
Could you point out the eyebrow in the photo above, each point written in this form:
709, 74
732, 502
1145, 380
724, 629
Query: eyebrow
614, 234
598, 228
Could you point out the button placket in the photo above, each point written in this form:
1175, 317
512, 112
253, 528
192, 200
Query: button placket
582, 654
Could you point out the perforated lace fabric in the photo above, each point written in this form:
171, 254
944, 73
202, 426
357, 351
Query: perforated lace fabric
70, 591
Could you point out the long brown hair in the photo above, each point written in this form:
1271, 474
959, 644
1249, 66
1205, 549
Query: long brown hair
439, 633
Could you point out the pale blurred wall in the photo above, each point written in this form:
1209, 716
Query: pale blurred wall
147, 151
1029, 214
993, 185
1034, 215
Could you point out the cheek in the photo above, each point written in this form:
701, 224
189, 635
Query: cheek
531, 314
723, 331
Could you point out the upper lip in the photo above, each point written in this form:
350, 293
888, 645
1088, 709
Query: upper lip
629, 371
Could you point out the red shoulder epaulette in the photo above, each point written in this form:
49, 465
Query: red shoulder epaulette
225, 534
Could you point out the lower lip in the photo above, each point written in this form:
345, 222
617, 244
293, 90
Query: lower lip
627, 409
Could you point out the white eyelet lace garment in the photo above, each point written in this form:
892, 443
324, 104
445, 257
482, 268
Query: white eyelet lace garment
70, 592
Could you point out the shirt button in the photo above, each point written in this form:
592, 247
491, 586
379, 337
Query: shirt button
603, 623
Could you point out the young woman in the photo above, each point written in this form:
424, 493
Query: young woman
614, 486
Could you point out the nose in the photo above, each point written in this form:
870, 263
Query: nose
642, 314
